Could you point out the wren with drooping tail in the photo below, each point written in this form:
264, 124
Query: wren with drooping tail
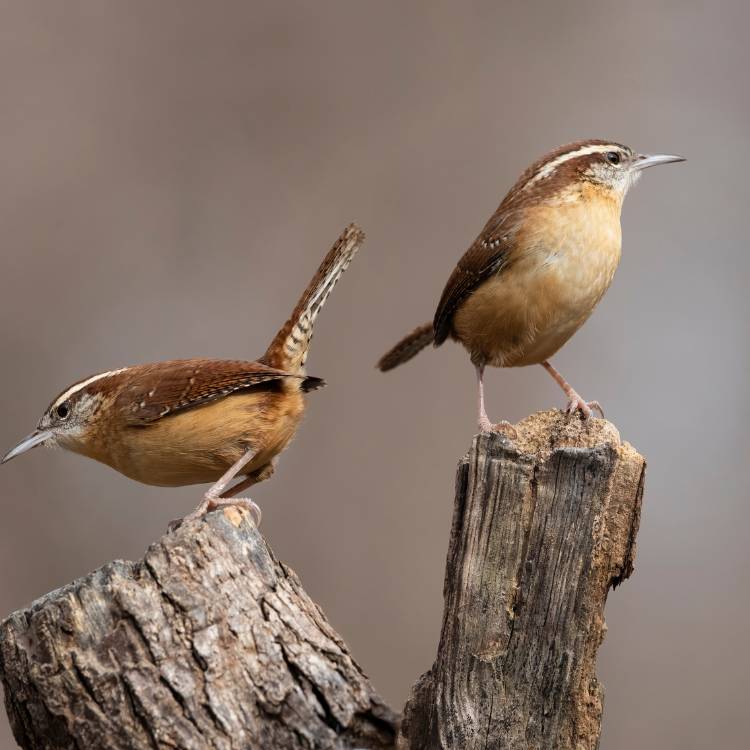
539, 267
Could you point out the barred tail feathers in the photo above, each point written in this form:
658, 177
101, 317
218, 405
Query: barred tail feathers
408, 347
288, 350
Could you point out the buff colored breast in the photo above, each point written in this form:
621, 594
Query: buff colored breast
198, 445
554, 279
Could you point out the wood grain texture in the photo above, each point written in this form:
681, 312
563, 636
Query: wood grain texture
211, 642
543, 527
208, 642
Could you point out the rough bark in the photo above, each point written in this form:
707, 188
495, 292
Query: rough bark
544, 525
211, 642
208, 642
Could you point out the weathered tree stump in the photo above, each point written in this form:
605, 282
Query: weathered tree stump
543, 526
208, 642
211, 642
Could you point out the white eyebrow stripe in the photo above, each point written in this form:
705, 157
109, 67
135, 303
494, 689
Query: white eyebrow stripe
551, 166
80, 386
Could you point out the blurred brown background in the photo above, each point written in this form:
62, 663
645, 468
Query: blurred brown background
170, 175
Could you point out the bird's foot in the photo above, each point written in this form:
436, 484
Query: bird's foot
210, 503
506, 428
576, 403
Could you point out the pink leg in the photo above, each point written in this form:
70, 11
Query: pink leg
575, 402
483, 420
214, 498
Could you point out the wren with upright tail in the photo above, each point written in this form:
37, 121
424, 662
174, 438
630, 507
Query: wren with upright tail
198, 420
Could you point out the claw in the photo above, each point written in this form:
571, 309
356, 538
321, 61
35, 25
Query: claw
210, 503
576, 403
504, 427
597, 407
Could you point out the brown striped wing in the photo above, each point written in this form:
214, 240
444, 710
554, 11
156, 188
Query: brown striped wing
153, 391
487, 256
494, 248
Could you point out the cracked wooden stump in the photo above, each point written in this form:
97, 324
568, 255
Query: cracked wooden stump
543, 527
208, 642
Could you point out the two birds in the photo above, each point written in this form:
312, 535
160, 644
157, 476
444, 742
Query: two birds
524, 287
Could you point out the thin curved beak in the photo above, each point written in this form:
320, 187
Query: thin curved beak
643, 161
36, 438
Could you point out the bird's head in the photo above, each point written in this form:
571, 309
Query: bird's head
607, 165
70, 420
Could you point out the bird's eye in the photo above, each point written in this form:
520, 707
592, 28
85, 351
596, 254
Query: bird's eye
613, 157
63, 411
